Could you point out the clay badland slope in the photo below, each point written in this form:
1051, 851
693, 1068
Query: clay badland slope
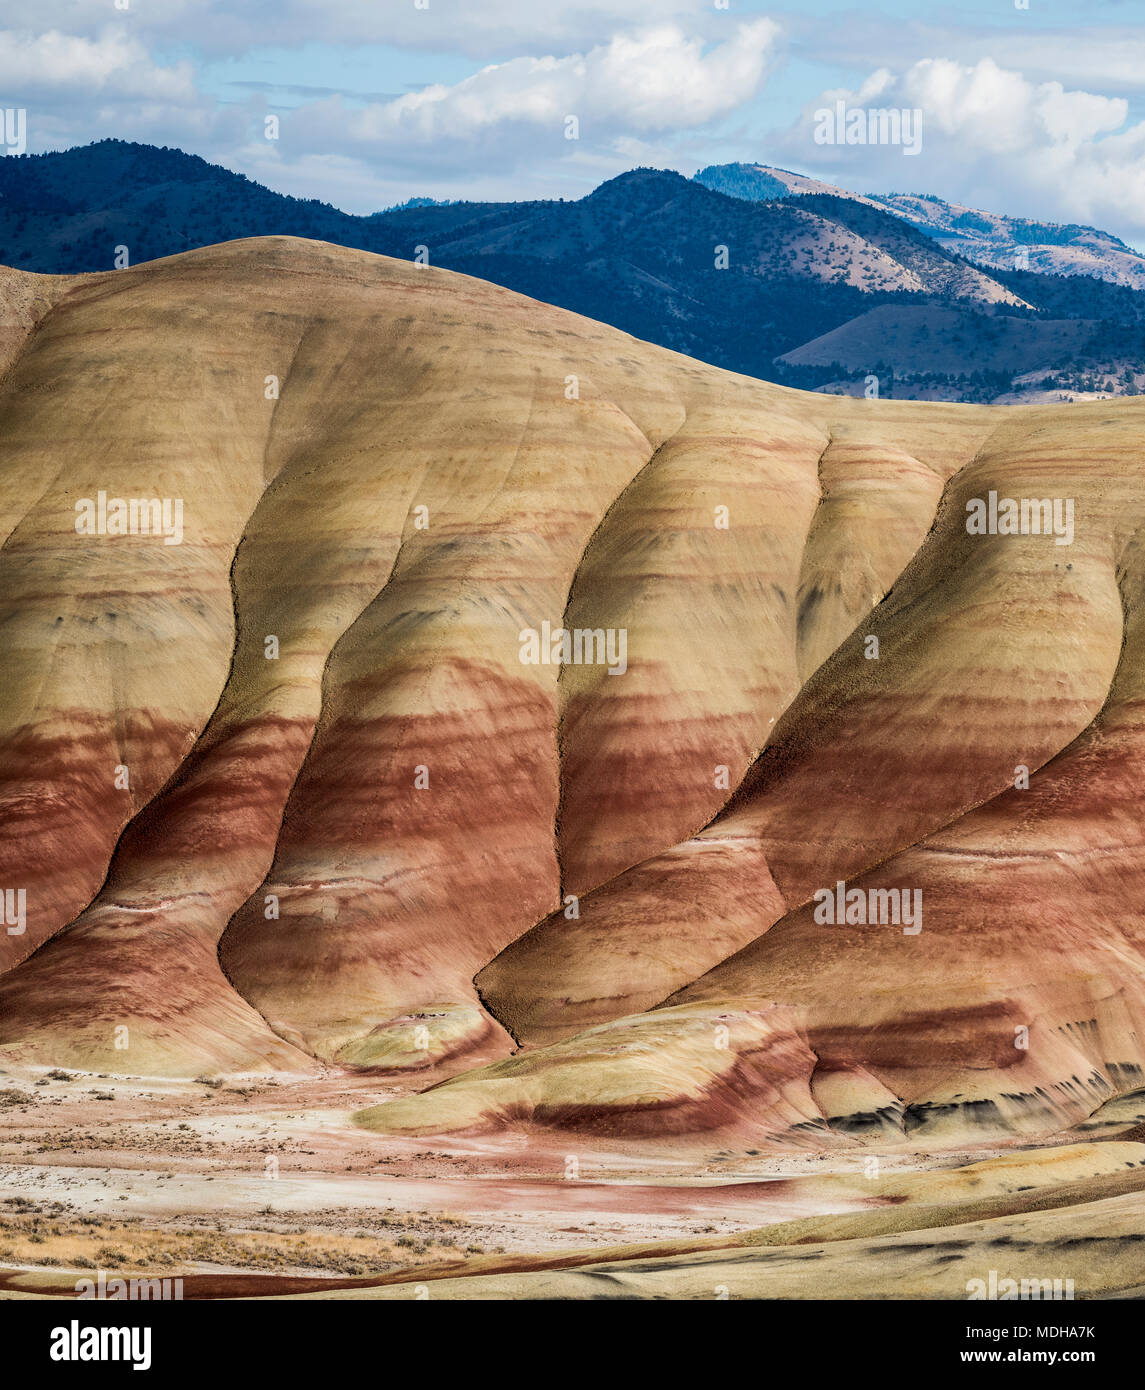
278, 793
388, 473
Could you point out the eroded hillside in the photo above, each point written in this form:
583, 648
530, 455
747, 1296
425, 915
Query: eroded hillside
280, 788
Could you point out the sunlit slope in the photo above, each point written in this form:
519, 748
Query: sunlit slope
386, 473
1013, 999
991, 653
286, 793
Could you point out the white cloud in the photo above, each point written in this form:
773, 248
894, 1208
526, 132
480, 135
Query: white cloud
996, 109
499, 132
70, 67
655, 80
651, 81
479, 29
994, 139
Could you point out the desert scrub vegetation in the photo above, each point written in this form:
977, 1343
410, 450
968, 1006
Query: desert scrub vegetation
50, 1233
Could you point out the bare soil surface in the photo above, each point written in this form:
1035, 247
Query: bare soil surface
246, 1186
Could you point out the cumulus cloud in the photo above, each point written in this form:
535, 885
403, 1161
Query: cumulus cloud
650, 81
993, 108
72, 68
650, 89
654, 80
1111, 58
651, 84
993, 138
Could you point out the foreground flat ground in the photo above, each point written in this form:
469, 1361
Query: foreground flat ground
266, 1188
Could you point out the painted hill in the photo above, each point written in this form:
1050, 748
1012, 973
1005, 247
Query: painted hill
518, 470
299, 789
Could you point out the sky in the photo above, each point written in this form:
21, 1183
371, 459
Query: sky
1034, 108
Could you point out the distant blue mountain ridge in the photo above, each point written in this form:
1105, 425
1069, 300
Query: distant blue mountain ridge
754, 269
